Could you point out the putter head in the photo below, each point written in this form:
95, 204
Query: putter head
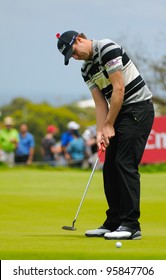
68, 228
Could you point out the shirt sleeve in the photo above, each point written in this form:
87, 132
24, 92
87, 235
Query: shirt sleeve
111, 57
32, 141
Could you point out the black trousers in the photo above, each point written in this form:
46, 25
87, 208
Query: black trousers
120, 171
20, 159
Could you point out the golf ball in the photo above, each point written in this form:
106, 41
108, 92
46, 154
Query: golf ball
118, 244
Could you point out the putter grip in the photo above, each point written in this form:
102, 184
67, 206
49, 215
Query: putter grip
101, 150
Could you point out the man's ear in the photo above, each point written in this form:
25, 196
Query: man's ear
78, 39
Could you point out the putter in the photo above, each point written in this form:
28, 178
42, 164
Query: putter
84, 194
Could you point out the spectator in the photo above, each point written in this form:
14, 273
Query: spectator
75, 151
9, 138
25, 149
89, 136
67, 135
48, 149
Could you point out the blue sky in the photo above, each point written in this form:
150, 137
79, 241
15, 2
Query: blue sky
32, 67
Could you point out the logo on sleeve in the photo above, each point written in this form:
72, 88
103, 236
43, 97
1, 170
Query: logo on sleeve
113, 62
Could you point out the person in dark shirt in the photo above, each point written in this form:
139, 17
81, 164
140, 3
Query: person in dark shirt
48, 143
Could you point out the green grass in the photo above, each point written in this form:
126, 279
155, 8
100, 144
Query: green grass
36, 203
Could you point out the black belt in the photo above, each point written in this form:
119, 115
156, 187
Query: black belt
138, 103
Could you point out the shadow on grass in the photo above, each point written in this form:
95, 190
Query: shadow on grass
55, 235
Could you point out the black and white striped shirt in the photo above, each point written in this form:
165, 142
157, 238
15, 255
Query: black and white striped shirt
108, 57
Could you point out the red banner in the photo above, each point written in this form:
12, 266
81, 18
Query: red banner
155, 150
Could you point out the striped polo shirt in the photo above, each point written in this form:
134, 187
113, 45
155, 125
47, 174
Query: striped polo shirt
109, 57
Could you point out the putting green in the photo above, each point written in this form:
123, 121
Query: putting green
36, 203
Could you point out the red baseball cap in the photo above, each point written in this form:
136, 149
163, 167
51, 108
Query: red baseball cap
52, 129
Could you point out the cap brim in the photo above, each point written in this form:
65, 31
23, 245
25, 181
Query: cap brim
68, 56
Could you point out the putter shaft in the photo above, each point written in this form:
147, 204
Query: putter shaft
84, 194
83, 197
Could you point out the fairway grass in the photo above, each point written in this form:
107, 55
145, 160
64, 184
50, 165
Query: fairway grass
36, 203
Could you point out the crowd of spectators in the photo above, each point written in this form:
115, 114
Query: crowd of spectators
72, 149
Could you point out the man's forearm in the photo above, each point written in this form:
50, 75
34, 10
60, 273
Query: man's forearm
31, 154
115, 106
101, 115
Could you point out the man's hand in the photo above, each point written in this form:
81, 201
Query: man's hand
29, 162
103, 138
107, 133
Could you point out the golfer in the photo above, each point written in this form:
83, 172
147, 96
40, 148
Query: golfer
124, 118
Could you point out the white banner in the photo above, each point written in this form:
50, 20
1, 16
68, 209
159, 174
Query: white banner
83, 269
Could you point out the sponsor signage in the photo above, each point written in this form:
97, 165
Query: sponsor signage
155, 150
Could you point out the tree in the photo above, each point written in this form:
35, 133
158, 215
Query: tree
154, 72
160, 73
